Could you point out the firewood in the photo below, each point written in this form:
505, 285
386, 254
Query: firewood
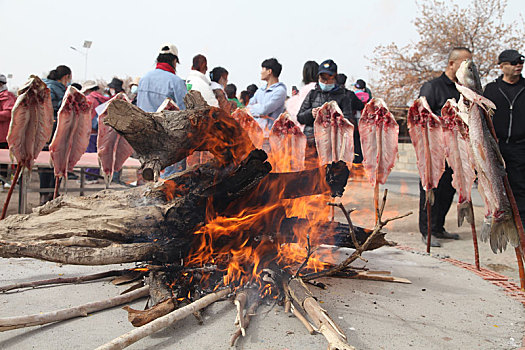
139, 318
135, 335
9, 323
324, 323
63, 280
303, 320
250, 312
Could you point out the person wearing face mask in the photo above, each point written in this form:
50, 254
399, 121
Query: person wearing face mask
57, 81
324, 91
508, 94
133, 88
115, 86
219, 80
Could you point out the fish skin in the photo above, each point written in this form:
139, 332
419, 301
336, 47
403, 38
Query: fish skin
377, 127
112, 149
287, 141
334, 135
248, 123
31, 123
498, 226
468, 75
424, 128
459, 157
72, 133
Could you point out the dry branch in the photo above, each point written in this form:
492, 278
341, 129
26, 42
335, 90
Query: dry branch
63, 280
9, 323
249, 314
135, 335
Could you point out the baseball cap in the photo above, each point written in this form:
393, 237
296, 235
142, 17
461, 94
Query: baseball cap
328, 67
509, 56
3, 79
170, 48
360, 84
88, 85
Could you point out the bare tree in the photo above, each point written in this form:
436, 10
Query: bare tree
442, 26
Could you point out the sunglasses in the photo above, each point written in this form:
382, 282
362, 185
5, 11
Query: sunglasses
517, 61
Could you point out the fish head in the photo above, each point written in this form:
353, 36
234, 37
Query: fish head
468, 75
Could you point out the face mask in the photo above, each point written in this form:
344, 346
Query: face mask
326, 87
134, 89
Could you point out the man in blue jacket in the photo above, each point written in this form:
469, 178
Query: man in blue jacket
268, 103
162, 82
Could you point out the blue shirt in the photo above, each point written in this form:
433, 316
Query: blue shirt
268, 102
156, 86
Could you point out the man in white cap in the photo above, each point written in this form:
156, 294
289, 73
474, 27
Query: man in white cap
162, 82
7, 101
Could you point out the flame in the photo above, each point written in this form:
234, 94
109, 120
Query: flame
172, 189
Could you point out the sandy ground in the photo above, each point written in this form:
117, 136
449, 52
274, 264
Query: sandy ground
445, 307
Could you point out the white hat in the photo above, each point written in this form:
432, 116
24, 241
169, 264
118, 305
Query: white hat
88, 85
169, 48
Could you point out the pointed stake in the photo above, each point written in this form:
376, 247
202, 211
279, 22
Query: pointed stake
376, 200
474, 238
429, 224
11, 189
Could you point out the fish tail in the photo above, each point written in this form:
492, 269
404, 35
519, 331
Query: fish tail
465, 211
503, 230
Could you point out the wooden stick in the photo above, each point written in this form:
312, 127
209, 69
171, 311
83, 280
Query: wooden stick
9, 323
303, 320
135, 335
429, 224
11, 189
369, 275
62, 280
376, 199
325, 324
474, 238
240, 302
249, 314
57, 185
349, 220
357, 253
141, 317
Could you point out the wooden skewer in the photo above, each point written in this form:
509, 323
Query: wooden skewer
57, 186
429, 224
11, 189
474, 238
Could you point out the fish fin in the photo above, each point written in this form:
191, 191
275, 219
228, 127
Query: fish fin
465, 211
502, 231
486, 228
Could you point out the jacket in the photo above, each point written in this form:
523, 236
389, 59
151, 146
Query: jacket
267, 104
155, 86
199, 82
7, 101
509, 116
438, 91
318, 97
58, 90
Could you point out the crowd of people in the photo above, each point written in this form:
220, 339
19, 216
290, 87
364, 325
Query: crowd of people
320, 83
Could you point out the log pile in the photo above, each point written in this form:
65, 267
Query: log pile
160, 226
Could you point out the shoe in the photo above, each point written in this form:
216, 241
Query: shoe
446, 235
433, 241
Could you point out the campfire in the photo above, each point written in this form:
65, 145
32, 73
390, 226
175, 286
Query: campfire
228, 228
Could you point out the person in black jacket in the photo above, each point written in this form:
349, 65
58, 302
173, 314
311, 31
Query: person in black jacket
325, 90
508, 94
437, 91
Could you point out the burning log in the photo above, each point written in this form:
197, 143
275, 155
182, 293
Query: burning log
164, 138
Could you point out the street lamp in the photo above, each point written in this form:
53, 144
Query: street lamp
86, 46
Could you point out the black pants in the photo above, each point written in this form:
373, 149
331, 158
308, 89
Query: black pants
443, 197
514, 156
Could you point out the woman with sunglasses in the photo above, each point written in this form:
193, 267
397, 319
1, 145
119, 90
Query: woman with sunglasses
508, 94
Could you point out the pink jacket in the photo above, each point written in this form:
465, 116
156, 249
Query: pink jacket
7, 101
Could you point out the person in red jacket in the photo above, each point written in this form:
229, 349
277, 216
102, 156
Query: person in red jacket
7, 101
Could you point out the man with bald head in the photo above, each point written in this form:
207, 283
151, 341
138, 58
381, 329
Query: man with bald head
438, 91
198, 81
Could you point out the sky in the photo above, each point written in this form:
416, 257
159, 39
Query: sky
238, 35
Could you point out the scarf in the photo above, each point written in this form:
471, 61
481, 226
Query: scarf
166, 67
